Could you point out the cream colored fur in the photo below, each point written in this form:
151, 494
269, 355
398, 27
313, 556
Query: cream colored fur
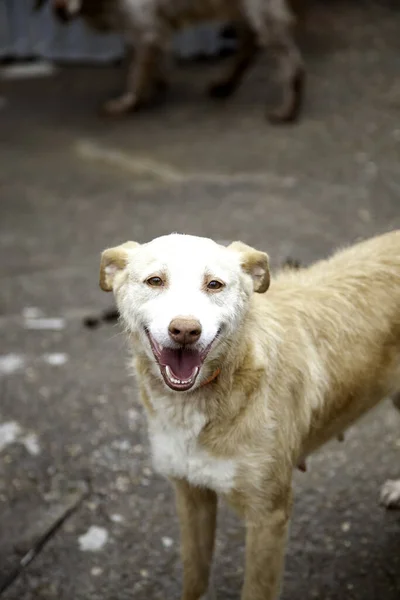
302, 363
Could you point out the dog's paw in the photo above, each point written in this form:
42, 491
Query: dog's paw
119, 106
390, 494
283, 115
289, 110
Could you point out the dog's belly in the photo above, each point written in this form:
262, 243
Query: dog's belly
345, 419
176, 453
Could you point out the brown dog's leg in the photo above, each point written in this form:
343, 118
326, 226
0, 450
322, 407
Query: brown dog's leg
292, 76
244, 58
197, 511
266, 535
143, 72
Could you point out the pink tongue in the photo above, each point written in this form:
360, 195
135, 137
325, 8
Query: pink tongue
181, 362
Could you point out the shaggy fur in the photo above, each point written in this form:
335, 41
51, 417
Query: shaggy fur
149, 24
298, 364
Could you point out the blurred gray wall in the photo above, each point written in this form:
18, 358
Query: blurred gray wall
24, 33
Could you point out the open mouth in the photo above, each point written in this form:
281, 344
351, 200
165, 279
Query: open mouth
179, 366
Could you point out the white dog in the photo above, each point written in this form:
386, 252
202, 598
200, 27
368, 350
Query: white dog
240, 387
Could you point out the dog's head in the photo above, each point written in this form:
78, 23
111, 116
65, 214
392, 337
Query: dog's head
184, 297
64, 10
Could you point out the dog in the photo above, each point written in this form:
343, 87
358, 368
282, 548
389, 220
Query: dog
243, 378
149, 24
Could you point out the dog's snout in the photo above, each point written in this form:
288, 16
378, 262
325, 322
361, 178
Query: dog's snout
184, 330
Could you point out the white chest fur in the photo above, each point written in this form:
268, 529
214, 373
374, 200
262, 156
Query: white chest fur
177, 453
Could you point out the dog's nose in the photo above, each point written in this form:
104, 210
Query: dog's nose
184, 330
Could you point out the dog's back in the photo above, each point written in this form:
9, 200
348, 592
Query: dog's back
357, 288
338, 324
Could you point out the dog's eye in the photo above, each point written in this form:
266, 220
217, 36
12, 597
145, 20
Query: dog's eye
154, 281
215, 285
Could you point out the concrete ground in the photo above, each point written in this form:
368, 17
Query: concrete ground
76, 483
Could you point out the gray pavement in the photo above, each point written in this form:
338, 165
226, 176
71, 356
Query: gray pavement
73, 448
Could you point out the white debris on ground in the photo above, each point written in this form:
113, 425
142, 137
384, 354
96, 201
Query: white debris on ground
117, 518
94, 539
9, 363
12, 433
12, 363
31, 443
28, 70
56, 359
55, 324
9, 433
32, 312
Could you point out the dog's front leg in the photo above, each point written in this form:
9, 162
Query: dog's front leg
266, 535
197, 511
243, 59
142, 71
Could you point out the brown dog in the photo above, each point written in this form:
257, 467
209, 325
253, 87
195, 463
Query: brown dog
149, 24
240, 387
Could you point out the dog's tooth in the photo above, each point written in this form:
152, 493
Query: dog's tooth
170, 376
177, 381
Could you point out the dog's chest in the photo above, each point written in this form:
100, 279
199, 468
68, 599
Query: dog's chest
177, 453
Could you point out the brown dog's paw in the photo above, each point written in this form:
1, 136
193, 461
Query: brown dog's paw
390, 494
282, 116
119, 106
290, 109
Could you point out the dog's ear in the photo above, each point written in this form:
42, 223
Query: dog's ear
255, 263
112, 261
